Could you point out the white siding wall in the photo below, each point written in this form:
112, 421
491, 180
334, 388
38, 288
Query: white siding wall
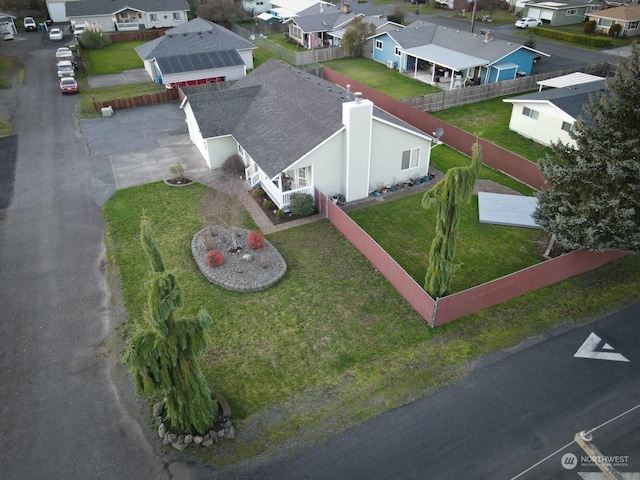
247, 57
219, 149
388, 143
194, 133
356, 117
230, 73
162, 21
57, 11
148, 66
327, 163
546, 128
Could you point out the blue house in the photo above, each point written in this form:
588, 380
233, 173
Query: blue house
453, 58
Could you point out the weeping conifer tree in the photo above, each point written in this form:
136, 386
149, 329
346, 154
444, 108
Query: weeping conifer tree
448, 195
162, 354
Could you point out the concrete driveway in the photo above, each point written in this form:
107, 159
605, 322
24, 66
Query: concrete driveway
138, 146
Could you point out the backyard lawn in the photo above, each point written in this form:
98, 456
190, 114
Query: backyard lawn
114, 58
378, 76
333, 344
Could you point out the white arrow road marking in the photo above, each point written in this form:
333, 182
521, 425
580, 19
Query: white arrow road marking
588, 350
602, 476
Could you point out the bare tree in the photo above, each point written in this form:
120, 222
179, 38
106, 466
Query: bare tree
224, 209
221, 11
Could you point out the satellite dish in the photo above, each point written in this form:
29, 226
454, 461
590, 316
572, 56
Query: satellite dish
252, 37
438, 133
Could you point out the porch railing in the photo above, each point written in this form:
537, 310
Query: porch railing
128, 26
252, 175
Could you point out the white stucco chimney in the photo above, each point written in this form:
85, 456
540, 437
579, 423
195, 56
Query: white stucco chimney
357, 119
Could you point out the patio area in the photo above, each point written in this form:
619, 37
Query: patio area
441, 78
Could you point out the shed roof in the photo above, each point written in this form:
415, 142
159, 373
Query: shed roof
571, 79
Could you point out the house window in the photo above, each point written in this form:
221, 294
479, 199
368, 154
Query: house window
397, 51
410, 158
567, 127
572, 11
153, 17
302, 177
177, 15
379, 44
604, 22
527, 112
593, 8
632, 25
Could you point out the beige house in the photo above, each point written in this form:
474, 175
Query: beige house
628, 16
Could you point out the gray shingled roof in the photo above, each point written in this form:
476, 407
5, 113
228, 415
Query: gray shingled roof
199, 61
424, 33
106, 7
215, 39
568, 99
277, 113
321, 23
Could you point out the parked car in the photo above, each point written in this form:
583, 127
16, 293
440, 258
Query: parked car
526, 22
68, 85
30, 24
78, 30
7, 35
66, 69
64, 52
56, 34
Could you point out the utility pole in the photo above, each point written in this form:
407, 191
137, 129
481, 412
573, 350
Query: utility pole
473, 15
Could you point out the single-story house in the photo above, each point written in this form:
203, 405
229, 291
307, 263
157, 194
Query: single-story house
325, 25
434, 52
57, 10
549, 115
196, 52
560, 12
126, 15
295, 132
7, 23
266, 18
627, 16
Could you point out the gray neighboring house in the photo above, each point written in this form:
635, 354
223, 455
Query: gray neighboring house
549, 115
127, 15
295, 132
196, 52
560, 12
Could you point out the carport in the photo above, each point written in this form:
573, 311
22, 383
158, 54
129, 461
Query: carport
450, 62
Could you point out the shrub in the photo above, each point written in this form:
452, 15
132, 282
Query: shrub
592, 41
268, 204
92, 38
590, 26
256, 240
215, 258
280, 213
614, 30
233, 165
177, 171
257, 193
302, 204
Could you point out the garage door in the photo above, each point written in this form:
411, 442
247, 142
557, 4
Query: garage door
546, 15
533, 12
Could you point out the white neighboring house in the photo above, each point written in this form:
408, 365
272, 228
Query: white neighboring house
196, 52
58, 10
126, 15
549, 115
256, 7
294, 131
7, 23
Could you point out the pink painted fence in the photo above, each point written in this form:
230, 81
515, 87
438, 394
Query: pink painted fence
446, 309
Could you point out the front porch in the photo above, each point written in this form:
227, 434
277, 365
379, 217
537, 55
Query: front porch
280, 188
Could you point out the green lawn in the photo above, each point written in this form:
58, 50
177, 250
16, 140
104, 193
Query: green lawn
260, 55
281, 40
490, 120
114, 58
332, 344
378, 76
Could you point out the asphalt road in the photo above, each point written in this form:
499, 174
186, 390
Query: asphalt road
63, 414
514, 417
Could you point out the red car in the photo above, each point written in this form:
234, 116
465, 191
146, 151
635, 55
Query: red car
68, 85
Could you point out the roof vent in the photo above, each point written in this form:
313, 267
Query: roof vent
358, 97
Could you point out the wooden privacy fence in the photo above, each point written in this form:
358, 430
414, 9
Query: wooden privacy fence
149, 99
444, 310
138, 35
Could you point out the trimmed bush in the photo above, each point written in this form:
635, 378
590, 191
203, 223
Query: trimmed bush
590, 26
257, 193
268, 204
614, 30
302, 204
592, 41
215, 258
280, 213
256, 240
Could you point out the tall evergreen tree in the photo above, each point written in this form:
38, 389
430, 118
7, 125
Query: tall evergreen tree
595, 200
162, 354
448, 194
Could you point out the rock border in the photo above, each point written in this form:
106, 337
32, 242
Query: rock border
186, 183
245, 271
223, 428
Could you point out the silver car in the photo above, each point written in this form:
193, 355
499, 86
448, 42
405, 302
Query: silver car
65, 69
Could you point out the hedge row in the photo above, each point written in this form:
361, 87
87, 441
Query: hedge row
591, 41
